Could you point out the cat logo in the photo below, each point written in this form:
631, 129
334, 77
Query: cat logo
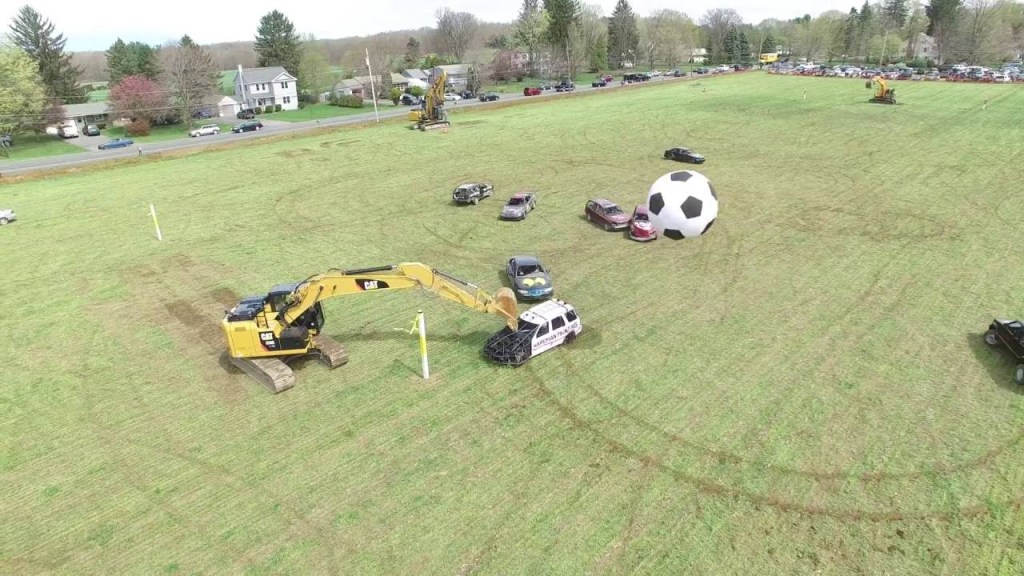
371, 284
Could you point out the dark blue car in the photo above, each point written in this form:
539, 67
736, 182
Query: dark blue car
117, 143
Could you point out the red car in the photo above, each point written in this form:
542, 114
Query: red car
529, 91
640, 227
607, 214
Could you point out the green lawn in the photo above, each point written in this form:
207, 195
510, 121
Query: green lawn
171, 132
803, 390
322, 111
31, 146
99, 95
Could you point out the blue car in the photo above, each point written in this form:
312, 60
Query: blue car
116, 143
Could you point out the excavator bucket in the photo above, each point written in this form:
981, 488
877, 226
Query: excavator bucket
505, 298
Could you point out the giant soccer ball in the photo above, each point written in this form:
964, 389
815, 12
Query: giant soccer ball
682, 204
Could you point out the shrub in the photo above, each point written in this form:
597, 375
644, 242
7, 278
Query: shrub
277, 107
350, 101
138, 127
415, 91
394, 95
301, 105
257, 110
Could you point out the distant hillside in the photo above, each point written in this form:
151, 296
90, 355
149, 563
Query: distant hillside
346, 53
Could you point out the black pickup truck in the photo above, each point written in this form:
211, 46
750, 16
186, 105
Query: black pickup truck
1009, 334
472, 193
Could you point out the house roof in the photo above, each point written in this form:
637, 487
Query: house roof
264, 75
226, 101
86, 109
455, 69
348, 83
415, 73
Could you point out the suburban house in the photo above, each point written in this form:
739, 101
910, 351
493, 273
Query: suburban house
266, 87
458, 74
86, 113
348, 87
228, 106
416, 74
698, 55
923, 47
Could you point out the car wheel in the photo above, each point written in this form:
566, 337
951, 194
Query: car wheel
475, 201
1018, 375
990, 338
607, 226
3, 221
569, 338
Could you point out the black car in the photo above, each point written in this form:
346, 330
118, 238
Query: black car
684, 155
1009, 334
247, 114
250, 126
565, 86
409, 100
489, 97
598, 83
467, 95
529, 278
472, 192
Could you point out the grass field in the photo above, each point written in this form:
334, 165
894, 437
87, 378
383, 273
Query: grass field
802, 391
34, 146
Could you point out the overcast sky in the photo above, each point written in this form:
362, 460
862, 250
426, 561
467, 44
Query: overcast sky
94, 25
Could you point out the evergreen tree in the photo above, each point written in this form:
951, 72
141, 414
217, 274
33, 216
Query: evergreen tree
132, 59
895, 12
187, 42
623, 35
277, 44
744, 49
412, 53
770, 44
35, 35
562, 15
850, 33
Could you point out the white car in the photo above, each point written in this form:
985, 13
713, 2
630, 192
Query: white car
541, 328
205, 130
449, 97
7, 215
1001, 78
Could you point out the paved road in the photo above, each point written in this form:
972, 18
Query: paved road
91, 156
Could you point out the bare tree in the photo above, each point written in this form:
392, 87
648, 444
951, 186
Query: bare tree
978, 29
669, 37
190, 76
717, 23
385, 50
455, 32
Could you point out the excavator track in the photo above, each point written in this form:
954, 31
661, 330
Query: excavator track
331, 352
271, 372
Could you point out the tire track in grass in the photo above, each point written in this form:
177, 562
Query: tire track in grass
719, 489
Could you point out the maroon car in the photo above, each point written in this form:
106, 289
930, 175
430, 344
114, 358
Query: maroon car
607, 214
531, 91
640, 227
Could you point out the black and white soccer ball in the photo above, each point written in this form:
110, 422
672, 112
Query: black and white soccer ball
682, 204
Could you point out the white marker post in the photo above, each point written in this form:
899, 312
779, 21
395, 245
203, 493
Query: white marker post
152, 212
422, 322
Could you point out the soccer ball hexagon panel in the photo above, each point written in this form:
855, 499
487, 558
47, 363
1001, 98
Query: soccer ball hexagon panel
682, 204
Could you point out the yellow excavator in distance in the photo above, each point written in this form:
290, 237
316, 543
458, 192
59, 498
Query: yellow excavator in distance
431, 113
883, 94
265, 332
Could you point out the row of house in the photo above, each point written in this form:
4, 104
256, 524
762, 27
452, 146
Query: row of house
272, 85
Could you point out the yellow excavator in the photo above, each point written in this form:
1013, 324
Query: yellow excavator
883, 94
265, 332
431, 113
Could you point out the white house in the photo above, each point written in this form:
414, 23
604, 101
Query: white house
266, 87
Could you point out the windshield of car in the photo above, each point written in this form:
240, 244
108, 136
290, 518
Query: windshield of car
527, 269
612, 210
516, 201
525, 326
642, 216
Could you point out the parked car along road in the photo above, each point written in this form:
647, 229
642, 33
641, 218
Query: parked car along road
450, 97
6, 140
528, 91
116, 143
518, 206
607, 214
472, 193
250, 126
247, 114
205, 130
489, 97
529, 278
